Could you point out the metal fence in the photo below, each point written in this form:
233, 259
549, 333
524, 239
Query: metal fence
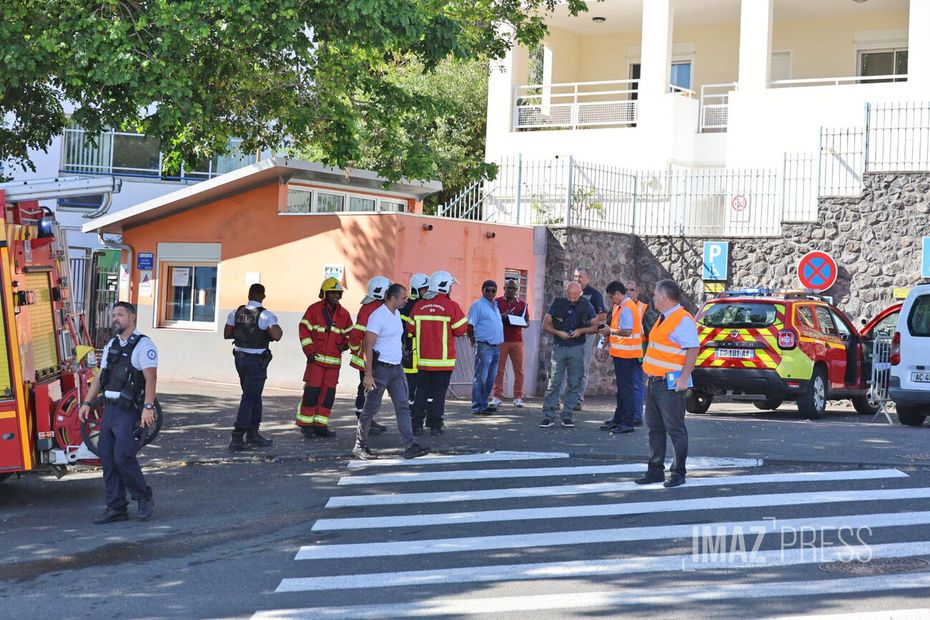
897, 137
567, 192
842, 162
799, 192
575, 104
881, 375
80, 270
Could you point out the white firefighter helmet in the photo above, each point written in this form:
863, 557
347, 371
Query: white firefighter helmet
441, 282
418, 281
377, 287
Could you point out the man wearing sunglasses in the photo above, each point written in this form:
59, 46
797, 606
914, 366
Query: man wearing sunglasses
486, 332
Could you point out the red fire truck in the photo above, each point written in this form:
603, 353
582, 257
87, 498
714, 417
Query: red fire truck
46, 356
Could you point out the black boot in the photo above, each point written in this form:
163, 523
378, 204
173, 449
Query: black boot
323, 431
237, 444
257, 441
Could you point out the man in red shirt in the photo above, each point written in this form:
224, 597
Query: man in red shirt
515, 314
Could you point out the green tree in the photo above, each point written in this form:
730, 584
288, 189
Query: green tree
317, 74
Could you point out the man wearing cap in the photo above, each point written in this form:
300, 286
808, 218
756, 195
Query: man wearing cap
486, 333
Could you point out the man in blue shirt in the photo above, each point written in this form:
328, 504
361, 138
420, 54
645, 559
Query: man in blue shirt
486, 332
569, 320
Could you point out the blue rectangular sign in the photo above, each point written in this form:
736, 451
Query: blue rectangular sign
145, 261
716, 260
925, 262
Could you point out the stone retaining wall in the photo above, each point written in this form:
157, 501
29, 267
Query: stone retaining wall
876, 239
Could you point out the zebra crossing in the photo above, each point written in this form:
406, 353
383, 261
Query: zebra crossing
516, 534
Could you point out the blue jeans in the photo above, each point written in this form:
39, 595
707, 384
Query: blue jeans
252, 375
567, 366
487, 357
639, 392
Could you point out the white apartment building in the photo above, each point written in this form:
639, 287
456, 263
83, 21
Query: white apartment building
735, 83
806, 94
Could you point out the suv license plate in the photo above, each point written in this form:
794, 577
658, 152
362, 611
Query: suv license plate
920, 377
743, 354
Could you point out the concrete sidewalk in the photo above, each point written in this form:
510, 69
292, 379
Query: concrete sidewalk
199, 417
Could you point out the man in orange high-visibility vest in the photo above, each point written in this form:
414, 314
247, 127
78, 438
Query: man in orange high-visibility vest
673, 349
625, 336
647, 319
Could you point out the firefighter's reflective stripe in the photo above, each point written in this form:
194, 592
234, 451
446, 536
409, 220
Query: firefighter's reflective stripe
326, 359
306, 419
444, 361
320, 419
459, 323
662, 354
360, 327
306, 342
355, 359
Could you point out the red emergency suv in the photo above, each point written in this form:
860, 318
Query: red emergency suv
769, 346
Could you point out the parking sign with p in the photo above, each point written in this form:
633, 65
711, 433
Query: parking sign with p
716, 260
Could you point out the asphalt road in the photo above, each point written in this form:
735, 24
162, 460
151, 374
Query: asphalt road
276, 533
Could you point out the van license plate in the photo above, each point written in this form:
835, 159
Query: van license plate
920, 377
742, 354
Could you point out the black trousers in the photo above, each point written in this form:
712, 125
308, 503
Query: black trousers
252, 376
665, 419
413, 382
430, 402
117, 448
360, 393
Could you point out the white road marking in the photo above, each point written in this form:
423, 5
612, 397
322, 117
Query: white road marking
616, 509
891, 614
612, 535
676, 597
603, 487
607, 567
694, 464
439, 459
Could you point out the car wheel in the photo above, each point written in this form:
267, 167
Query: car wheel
813, 402
769, 404
697, 401
910, 416
864, 405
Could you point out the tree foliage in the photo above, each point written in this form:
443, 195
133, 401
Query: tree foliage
315, 74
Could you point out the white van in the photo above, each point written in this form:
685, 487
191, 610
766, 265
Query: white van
909, 386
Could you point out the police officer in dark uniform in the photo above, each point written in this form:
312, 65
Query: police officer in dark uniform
128, 374
251, 328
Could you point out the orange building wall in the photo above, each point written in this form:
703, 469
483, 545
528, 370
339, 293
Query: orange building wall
289, 251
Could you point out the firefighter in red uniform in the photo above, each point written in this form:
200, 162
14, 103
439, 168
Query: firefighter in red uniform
435, 321
324, 332
374, 299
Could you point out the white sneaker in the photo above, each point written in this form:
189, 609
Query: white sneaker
495, 403
517, 402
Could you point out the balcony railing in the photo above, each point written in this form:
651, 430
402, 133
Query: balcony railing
715, 106
575, 104
838, 81
137, 155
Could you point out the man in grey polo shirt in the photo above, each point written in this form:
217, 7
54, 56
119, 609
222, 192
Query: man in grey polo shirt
383, 347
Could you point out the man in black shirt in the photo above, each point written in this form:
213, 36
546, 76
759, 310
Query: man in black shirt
583, 277
569, 320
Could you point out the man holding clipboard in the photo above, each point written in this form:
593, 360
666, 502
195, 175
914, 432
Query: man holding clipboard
673, 349
515, 314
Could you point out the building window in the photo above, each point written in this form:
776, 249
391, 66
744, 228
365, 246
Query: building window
681, 74
299, 200
883, 62
329, 203
357, 203
304, 200
522, 278
190, 298
393, 206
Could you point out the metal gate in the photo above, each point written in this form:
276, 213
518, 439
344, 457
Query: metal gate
80, 270
463, 374
881, 372
103, 292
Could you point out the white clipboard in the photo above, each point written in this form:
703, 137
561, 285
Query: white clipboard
518, 320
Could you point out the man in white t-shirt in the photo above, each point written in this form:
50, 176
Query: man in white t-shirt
383, 347
252, 328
